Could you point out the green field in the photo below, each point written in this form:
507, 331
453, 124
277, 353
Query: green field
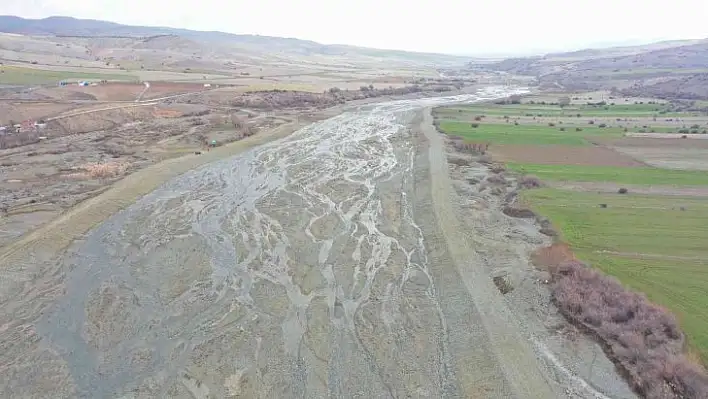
13, 75
647, 242
572, 111
657, 245
525, 133
622, 175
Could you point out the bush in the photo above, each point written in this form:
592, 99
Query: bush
602, 125
578, 129
530, 181
522, 213
496, 179
643, 339
474, 125
551, 124
478, 118
623, 190
497, 168
591, 122
562, 129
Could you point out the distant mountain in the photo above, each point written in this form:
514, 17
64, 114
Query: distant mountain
68, 26
675, 69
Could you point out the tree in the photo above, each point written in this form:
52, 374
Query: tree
564, 101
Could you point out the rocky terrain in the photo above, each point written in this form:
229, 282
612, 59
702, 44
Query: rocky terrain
348, 259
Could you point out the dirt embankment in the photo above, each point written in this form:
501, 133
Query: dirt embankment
492, 252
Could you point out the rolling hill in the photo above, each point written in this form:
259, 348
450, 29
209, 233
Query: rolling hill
66, 27
673, 69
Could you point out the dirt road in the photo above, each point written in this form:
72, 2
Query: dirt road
324, 264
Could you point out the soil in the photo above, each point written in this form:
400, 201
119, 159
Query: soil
561, 155
339, 261
19, 111
669, 153
164, 89
118, 91
655, 142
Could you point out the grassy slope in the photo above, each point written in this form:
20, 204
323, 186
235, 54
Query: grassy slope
13, 75
671, 270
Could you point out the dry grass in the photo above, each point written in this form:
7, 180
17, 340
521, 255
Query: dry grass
100, 170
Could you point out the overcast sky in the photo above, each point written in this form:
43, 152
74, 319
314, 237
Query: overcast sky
450, 26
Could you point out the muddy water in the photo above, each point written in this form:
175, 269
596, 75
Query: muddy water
294, 270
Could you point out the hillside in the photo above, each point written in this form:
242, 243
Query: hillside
675, 69
82, 28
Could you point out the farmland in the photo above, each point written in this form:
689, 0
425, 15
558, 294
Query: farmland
16, 75
653, 239
653, 244
628, 175
524, 134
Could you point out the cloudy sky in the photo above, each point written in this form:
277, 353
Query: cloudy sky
450, 26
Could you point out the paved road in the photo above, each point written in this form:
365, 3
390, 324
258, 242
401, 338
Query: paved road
314, 266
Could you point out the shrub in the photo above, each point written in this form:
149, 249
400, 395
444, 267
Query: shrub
591, 122
496, 179
602, 125
643, 339
578, 129
503, 284
474, 125
478, 118
551, 124
530, 181
497, 168
562, 129
522, 213
623, 190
